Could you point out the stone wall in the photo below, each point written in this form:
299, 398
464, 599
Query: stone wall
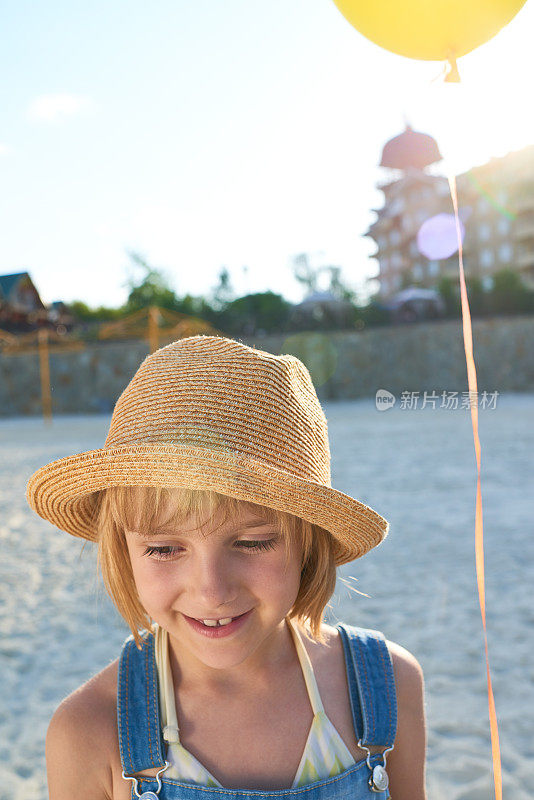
347, 364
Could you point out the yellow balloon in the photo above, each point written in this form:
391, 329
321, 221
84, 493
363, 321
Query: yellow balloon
431, 30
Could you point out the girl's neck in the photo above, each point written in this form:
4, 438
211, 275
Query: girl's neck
268, 663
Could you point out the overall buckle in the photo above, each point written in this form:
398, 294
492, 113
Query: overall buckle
146, 795
379, 779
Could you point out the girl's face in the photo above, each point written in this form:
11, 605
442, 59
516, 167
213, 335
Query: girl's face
238, 569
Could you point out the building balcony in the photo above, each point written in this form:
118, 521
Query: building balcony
525, 259
523, 199
524, 227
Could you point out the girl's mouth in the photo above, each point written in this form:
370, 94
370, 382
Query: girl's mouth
220, 629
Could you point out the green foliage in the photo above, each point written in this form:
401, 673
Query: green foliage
308, 277
477, 297
304, 273
509, 295
338, 288
265, 311
374, 313
152, 290
83, 313
223, 292
406, 280
449, 290
270, 313
195, 307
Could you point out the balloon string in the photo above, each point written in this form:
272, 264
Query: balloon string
479, 533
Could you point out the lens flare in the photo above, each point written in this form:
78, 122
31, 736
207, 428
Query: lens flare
436, 238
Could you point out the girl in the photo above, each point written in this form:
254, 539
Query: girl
218, 537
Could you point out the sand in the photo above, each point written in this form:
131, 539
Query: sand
417, 468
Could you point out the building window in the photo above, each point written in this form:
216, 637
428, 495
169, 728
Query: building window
487, 283
484, 231
483, 206
502, 197
417, 271
397, 206
503, 226
486, 258
395, 236
385, 284
505, 252
421, 215
433, 268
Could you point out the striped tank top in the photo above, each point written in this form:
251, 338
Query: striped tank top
325, 754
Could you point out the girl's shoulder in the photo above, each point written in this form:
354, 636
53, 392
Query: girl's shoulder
82, 739
405, 665
329, 659
408, 755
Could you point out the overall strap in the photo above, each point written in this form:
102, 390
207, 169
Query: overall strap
371, 685
138, 707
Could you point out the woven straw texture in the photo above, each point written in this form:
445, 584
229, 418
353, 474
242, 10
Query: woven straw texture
209, 412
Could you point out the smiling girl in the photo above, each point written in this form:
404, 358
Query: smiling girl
219, 534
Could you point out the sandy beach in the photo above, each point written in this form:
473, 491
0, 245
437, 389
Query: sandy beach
418, 469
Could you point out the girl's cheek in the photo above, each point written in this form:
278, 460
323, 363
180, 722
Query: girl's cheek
157, 592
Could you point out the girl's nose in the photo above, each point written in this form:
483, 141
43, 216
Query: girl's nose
212, 582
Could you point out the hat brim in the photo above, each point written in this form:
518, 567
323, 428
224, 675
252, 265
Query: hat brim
62, 491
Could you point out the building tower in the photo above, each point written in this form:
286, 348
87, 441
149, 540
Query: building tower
412, 194
496, 206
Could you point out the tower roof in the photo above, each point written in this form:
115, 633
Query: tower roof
410, 149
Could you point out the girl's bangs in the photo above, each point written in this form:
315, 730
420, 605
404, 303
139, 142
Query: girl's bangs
145, 509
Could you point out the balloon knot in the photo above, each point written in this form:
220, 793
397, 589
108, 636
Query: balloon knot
452, 76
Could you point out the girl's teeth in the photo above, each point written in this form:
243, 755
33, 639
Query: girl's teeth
212, 623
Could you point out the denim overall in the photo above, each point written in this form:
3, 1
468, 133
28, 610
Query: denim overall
374, 712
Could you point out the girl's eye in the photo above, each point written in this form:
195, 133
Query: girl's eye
267, 544
165, 552
160, 553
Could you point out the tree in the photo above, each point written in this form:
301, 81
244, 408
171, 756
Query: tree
406, 279
308, 276
223, 293
373, 313
265, 311
337, 287
476, 296
152, 290
304, 273
83, 313
450, 294
509, 295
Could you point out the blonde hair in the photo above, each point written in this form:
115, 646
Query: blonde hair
122, 508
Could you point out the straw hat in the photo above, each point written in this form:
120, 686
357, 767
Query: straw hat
209, 412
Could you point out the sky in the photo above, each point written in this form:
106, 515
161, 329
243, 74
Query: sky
203, 134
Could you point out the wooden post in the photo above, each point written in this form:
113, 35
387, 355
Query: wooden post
153, 328
44, 363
